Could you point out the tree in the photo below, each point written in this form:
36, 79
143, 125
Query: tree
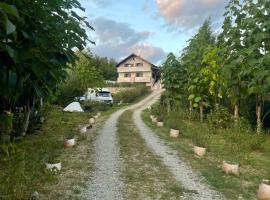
193, 59
211, 71
235, 73
257, 52
83, 74
107, 67
174, 80
37, 40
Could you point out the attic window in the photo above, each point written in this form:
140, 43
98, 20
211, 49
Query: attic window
128, 65
139, 64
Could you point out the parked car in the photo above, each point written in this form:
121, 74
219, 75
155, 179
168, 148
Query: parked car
99, 94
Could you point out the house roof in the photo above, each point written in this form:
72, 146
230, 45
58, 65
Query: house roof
134, 55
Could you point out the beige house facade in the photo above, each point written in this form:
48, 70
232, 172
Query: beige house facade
135, 69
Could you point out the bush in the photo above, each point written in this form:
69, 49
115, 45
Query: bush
94, 106
119, 85
200, 136
5, 127
239, 143
130, 95
220, 118
67, 91
175, 120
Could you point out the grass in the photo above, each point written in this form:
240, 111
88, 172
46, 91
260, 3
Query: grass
144, 175
255, 164
23, 171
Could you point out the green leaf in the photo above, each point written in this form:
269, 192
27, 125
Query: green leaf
9, 9
195, 105
10, 51
191, 97
198, 99
10, 27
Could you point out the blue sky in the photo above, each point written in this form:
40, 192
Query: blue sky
150, 28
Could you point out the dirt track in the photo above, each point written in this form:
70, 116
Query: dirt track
106, 183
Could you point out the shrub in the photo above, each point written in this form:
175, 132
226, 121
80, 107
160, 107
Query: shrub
220, 118
175, 120
200, 136
240, 143
94, 106
131, 95
5, 127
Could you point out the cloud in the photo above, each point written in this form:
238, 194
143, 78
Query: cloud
117, 40
151, 53
189, 14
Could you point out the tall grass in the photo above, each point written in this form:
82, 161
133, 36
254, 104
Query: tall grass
22, 163
231, 141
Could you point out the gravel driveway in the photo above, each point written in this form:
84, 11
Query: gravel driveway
182, 172
106, 183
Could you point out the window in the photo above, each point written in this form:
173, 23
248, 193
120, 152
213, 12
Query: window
127, 75
128, 65
104, 94
139, 74
139, 64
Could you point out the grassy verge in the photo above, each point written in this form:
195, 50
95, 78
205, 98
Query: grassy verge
254, 168
23, 171
144, 175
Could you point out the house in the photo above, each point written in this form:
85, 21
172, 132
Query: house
135, 69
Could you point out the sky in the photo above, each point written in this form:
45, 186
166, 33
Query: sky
149, 28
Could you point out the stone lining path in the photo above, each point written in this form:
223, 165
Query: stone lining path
182, 172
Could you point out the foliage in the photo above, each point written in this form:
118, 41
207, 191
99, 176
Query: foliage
22, 164
94, 106
173, 74
193, 56
83, 75
37, 40
220, 118
175, 121
232, 68
5, 126
130, 95
107, 67
160, 113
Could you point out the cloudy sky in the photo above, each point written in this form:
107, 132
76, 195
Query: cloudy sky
150, 28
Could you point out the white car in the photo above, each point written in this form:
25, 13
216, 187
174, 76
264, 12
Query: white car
99, 94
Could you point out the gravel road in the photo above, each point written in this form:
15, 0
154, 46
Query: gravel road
106, 183
182, 172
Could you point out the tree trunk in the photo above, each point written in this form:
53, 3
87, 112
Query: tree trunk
41, 103
190, 108
201, 111
236, 111
29, 110
27, 118
168, 105
259, 114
